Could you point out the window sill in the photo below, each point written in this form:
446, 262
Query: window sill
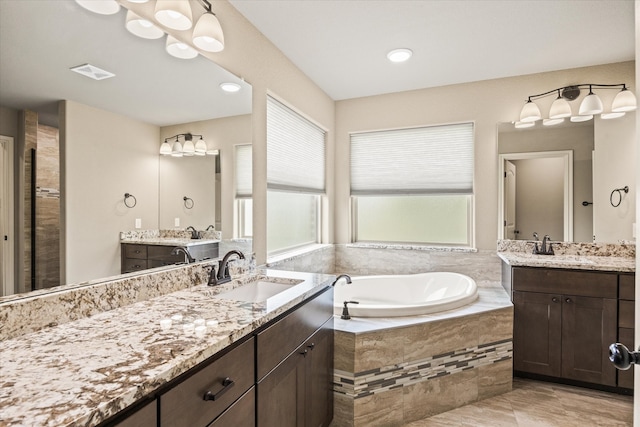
411, 247
287, 256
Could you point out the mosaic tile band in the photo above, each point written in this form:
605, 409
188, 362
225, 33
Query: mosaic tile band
383, 379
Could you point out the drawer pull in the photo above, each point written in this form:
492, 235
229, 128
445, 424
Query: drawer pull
304, 353
554, 299
137, 251
227, 383
568, 301
311, 346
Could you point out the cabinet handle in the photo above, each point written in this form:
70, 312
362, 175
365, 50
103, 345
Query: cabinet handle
554, 299
304, 353
137, 251
227, 383
568, 300
311, 346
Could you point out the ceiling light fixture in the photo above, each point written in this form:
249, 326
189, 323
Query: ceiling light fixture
142, 27
179, 49
230, 87
624, 101
92, 72
187, 148
207, 34
174, 14
399, 55
103, 7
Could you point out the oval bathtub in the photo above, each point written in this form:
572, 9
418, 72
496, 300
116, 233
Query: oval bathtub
405, 295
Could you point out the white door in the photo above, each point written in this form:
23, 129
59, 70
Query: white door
6, 216
510, 200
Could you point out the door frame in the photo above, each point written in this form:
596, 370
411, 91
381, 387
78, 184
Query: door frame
7, 215
567, 157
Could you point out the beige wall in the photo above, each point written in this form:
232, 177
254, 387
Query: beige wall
486, 103
105, 155
223, 134
9, 122
614, 167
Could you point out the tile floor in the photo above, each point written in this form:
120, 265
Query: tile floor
539, 404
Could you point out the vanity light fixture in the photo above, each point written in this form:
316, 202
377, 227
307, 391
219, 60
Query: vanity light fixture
230, 87
399, 55
103, 7
523, 125
607, 116
187, 148
142, 27
624, 101
178, 49
174, 14
207, 34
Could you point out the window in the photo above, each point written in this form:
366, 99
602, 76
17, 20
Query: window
413, 185
244, 192
295, 179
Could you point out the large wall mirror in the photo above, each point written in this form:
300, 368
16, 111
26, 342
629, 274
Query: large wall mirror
558, 181
104, 138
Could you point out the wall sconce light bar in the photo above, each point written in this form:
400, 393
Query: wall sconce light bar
182, 145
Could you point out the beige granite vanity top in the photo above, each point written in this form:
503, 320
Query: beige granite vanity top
168, 241
574, 262
81, 372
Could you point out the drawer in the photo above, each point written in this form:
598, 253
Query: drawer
625, 378
184, 404
135, 251
626, 314
280, 339
628, 287
163, 253
241, 414
567, 282
133, 264
146, 416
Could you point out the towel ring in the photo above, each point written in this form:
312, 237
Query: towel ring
128, 196
619, 191
188, 202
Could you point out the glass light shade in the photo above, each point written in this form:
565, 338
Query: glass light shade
174, 14
180, 50
201, 147
400, 55
530, 112
165, 149
207, 34
103, 7
176, 149
591, 104
524, 125
138, 1
581, 118
625, 100
188, 149
607, 116
552, 122
560, 109
141, 27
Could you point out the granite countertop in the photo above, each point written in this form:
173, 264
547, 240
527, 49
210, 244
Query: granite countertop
80, 373
574, 262
168, 241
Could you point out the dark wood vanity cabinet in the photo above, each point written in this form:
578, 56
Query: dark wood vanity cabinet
626, 322
564, 322
136, 257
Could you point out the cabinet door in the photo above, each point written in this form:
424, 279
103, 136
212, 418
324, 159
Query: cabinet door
143, 417
588, 328
319, 397
240, 414
537, 333
281, 394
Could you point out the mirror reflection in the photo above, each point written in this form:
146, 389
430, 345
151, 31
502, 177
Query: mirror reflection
101, 139
557, 180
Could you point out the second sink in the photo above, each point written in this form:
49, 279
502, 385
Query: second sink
259, 290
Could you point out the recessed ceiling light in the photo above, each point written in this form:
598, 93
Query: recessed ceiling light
230, 87
399, 55
92, 72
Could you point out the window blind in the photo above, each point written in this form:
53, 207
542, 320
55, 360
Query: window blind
244, 175
295, 151
426, 160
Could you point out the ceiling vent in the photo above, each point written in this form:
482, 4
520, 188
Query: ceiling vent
92, 72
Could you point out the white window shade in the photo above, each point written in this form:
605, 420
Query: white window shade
427, 160
295, 151
244, 175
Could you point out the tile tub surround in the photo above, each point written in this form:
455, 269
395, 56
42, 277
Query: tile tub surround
396, 370
86, 370
24, 313
577, 256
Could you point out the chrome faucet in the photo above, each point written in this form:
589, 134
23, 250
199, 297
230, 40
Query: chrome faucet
211, 227
185, 251
194, 233
544, 250
342, 276
223, 276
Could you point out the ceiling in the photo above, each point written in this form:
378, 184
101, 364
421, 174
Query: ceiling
342, 44
41, 40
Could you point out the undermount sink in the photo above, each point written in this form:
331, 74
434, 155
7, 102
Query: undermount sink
259, 290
